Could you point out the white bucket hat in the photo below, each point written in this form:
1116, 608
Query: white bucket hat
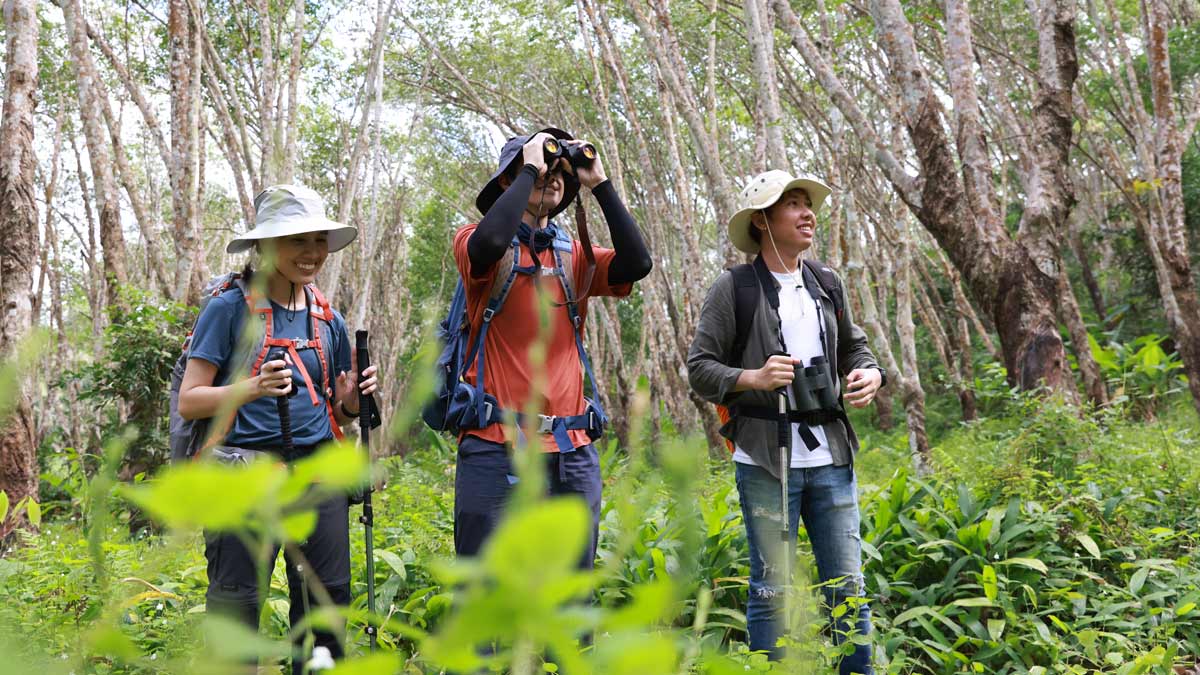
281, 210
760, 193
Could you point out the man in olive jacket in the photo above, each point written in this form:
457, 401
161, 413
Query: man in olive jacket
799, 339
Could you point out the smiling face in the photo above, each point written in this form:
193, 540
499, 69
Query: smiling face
299, 257
791, 221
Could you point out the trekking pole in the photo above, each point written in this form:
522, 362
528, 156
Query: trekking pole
785, 447
784, 429
368, 512
284, 409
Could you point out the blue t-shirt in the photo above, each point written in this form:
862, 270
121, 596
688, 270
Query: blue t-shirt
257, 423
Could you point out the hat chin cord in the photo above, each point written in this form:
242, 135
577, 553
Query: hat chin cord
794, 273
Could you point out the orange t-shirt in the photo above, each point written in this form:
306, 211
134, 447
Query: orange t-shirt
509, 375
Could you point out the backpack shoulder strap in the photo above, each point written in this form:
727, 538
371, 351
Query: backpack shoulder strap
830, 284
745, 303
564, 258
317, 300
506, 273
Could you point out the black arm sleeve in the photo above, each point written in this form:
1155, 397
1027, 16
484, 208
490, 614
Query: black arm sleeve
495, 231
632, 261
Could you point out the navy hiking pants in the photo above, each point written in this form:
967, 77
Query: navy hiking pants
323, 558
485, 477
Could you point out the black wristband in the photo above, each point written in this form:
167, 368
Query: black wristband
347, 413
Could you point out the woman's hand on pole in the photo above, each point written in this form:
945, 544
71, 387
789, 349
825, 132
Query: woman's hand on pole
273, 379
590, 176
348, 386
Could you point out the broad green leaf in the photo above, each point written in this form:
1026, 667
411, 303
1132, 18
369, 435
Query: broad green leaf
988, 578
34, 510
207, 494
1184, 609
1088, 544
230, 640
110, 642
636, 654
652, 602
538, 544
972, 602
298, 526
393, 561
1031, 563
376, 664
911, 613
1106, 358
1138, 580
338, 466
995, 628
3, 506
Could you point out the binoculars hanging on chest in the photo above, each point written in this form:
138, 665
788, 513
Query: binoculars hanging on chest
812, 387
577, 155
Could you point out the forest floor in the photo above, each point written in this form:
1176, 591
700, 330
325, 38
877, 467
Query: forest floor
1045, 542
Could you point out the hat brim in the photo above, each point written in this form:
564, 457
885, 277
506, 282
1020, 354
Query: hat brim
340, 235
740, 223
492, 190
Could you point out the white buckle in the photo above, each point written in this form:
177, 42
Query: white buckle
546, 424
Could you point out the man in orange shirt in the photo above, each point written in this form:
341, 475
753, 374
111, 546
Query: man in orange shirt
518, 239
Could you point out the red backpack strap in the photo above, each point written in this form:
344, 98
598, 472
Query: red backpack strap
260, 307
319, 309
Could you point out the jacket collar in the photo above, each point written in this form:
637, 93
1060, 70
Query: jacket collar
770, 285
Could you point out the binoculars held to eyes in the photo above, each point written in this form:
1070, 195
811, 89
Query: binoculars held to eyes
577, 155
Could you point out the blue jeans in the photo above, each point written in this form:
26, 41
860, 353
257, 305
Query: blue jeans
827, 498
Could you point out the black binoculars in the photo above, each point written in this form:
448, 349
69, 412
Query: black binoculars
813, 386
577, 155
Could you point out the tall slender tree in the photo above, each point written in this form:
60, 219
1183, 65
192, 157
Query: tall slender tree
18, 240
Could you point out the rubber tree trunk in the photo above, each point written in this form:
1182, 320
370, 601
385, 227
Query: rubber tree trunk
18, 242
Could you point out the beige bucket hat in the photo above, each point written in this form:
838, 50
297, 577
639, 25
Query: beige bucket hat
281, 210
760, 193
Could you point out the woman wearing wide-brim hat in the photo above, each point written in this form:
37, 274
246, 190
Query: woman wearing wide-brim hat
293, 237
778, 332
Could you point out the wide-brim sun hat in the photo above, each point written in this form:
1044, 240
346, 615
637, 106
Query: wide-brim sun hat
283, 210
760, 193
512, 153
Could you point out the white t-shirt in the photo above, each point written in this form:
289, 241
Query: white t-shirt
802, 337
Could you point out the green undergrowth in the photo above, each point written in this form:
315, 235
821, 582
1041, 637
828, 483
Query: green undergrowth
1046, 542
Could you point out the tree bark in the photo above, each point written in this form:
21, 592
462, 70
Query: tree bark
760, 33
909, 375
112, 238
269, 165
1167, 214
18, 243
661, 41
998, 271
295, 60
184, 171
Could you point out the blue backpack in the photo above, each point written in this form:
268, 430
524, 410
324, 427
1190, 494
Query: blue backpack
458, 406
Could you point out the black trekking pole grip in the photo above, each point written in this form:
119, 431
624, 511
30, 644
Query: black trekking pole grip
363, 357
283, 408
364, 400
